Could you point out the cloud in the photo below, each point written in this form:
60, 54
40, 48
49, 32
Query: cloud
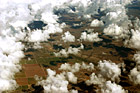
137, 57
94, 79
92, 37
88, 67
134, 41
135, 75
7, 85
70, 50
9, 45
116, 20
36, 36
54, 83
71, 77
96, 23
65, 67
115, 31
109, 70
10, 55
137, 24
57, 82
68, 37
135, 72
76, 67
109, 87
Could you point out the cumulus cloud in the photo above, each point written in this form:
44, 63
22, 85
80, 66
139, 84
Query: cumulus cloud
115, 31
88, 67
96, 23
135, 75
116, 20
134, 41
71, 77
12, 19
68, 67
57, 82
135, 72
9, 45
68, 37
70, 50
92, 37
54, 83
65, 67
116, 14
86, 8
109, 87
77, 24
136, 24
137, 57
7, 85
10, 55
94, 79
109, 70
76, 67
36, 36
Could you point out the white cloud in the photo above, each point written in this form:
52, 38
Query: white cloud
116, 20
10, 55
76, 67
94, 79
65, 67
68, 37
135, 75
9, 46
57, 82
109, 87
92, 37
73, 91
70, 50
96, 23
7, 85
36, 36
137, 57
88, 67
116, 31
68, 67
51, 72
71, 77
54, 83
134, 41
135, 72
136, 24
109, 70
